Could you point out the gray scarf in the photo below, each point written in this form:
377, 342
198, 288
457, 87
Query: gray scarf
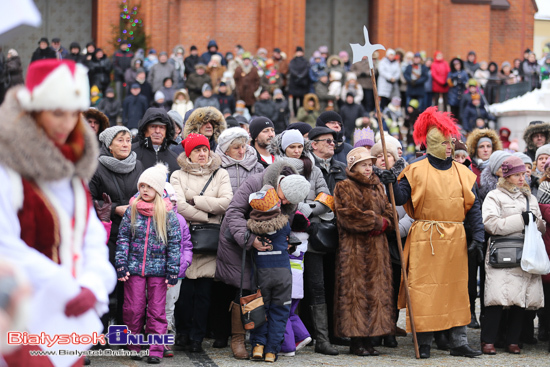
126, 165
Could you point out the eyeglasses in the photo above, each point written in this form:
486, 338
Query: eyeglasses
329, 141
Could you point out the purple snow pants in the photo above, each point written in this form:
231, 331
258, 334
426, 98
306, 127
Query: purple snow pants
295, 330
135, 303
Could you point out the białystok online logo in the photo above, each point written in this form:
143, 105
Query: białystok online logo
117, 335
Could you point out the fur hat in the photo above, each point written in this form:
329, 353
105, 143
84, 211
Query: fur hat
201, 116
536, 127
226, 138
155, 177
477, 134
192, 141
363, 137
357, 155
294, 187
390, 148
545, 149
55, 84
512, 165
99, 116
107, 136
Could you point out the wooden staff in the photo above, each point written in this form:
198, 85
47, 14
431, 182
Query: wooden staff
395, 217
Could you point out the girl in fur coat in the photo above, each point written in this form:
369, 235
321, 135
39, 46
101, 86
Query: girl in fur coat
363, 301
148, 258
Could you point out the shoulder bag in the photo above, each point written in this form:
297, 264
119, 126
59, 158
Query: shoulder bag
205, 236
252, 307
506, 251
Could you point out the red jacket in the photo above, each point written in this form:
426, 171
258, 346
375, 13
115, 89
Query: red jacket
440, 70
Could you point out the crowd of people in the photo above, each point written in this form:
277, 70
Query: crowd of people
204, 167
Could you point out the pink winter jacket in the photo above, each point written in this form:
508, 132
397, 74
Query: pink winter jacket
186, 251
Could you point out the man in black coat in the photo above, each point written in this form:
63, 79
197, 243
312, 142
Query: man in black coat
133, 107
75, 55
333, 121
323, 142
122, 60
43, 51
298, 79
191, 60
155, 134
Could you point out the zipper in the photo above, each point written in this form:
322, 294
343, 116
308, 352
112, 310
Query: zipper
145, 248
238, 177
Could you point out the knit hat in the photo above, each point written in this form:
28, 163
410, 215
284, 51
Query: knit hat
316, 55
176, 118
328, 116
475, 96
205, 87
318, 131
192, 141
295, 188
246, 55
545, 149
389, 139
414, 103
343, 54
159, 95
299, 49
302, 127
228, 135
230, 121
289, 137
496, 159
323, 49
526, 159
357, 155
460, 147
472, 82
257, 124
363, 137
512, 165
107, 136
390, 148
55, 84
277, 91
484, 140
155, 177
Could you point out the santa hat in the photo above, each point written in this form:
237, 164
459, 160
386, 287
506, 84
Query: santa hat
55, 84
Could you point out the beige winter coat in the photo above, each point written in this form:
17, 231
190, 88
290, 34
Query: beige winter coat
209, 208
502, 210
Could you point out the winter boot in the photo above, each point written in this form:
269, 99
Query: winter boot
320, 323
237, 333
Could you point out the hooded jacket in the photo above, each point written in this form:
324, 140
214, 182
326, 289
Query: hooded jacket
199, 117
535, 127
100, 71
144, 148
41, 54
111, 107
458, 78
388, 70
182, 106
471, 143
188, 182
440, 70
298, 79
306, 113
131, 73
234, 234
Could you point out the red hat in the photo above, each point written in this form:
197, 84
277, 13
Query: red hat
53, 84
194, 140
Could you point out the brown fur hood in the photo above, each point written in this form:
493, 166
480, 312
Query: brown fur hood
536, 128
99, 116
311, 96
195, 169
261, 227
477, 134
201, 116
25, 148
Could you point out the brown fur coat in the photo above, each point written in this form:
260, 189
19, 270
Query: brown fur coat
363, 297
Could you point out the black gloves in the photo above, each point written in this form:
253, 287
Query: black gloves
171, 279
388, 177
476, 251
534, 181
122, 271
525, 216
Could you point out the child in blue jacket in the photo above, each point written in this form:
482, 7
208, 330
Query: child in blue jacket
148, 258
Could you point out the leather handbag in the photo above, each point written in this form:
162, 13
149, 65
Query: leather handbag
506, 251
205, 236
324, 236
252, 307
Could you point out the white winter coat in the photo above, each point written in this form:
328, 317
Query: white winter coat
502, 210
388, 70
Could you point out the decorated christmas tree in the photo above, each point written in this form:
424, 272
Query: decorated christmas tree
130, 27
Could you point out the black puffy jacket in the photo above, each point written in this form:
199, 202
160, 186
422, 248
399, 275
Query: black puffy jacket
144, 146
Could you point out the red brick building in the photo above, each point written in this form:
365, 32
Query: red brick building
497, 30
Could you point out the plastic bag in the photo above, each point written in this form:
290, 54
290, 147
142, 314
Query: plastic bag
534, 259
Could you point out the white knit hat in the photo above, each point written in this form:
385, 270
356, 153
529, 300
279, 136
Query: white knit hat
294, 187
289, 137
545, 149
227, 136
55, 84
155, 177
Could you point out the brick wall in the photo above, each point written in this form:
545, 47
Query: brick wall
428, 25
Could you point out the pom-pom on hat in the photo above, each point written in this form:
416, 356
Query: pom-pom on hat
363, 137
155, 177
55, 84
512, 165
192, 141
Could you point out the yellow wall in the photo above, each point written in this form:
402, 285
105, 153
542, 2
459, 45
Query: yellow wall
541, 35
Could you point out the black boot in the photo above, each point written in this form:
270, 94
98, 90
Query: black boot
390, 341
473, 323
376, 341
465, 351
320, 323
356, 347
424, 350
